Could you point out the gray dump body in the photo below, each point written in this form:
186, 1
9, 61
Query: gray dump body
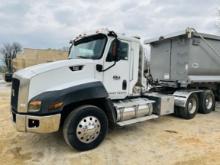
185, 58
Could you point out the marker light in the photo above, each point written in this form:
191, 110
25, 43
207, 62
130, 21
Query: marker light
56, 105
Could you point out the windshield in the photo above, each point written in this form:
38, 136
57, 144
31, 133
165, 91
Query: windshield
89, 47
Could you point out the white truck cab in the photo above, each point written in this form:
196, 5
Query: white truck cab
103, 82
119, 76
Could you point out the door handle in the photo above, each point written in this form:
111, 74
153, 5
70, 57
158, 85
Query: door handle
124, 85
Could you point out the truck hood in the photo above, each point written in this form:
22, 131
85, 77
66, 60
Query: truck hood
56, 76
32, 71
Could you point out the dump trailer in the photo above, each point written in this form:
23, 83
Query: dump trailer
107, 82
185, 60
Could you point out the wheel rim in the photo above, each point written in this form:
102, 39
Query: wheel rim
192, 105
88, 129
209, 102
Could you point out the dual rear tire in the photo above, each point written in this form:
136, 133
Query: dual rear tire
190, 109
203, 103
207, 102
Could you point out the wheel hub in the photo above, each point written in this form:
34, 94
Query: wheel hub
208, 102
88, 129
192, 106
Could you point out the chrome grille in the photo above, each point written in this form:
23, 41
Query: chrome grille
14, 94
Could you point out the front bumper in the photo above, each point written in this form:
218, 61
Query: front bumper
37, 124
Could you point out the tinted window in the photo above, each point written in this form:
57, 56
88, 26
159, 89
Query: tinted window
122, 51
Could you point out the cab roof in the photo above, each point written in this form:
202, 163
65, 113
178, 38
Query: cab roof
107, 32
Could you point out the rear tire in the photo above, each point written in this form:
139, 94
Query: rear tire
177, 111
207, 102
191, 108
217, 94
85, 127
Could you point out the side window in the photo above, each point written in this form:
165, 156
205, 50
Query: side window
122, 51
111, 52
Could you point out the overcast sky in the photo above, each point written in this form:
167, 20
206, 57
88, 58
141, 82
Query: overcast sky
52, 23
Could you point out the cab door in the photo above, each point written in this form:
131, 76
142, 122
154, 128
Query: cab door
116, 78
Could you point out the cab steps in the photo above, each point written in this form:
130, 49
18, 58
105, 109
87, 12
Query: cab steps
136, 120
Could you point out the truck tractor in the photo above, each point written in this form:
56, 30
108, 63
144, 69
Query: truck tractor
106, 82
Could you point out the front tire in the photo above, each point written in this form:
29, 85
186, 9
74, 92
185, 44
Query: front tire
191, 108
85, 127
207, 102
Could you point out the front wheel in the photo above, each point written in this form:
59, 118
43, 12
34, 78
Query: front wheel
85, 127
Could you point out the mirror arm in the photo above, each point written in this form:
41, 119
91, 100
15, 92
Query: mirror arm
103, 70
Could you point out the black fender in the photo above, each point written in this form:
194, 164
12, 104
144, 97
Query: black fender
75, 94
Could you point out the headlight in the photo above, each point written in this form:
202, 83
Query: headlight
34, 106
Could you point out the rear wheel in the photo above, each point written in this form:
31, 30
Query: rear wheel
191, 108
177, 111
207, 102
85, 127
217, 93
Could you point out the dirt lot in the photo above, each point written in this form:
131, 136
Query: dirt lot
168, 140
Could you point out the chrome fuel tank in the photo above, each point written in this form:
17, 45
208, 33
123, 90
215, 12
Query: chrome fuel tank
133, 108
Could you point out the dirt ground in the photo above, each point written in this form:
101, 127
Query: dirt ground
165, 141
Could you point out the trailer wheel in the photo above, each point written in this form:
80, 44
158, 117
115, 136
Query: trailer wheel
85, 127
207, 102
191, 108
